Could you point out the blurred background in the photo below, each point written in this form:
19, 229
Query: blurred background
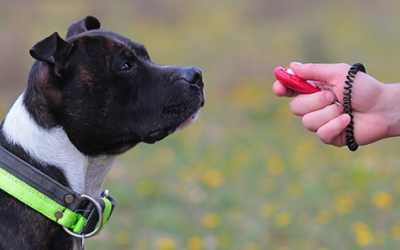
247, 175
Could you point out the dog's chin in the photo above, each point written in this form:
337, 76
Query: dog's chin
188, 122
162, 133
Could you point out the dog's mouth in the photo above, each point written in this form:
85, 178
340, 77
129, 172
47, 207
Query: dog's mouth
188, 121
160, 134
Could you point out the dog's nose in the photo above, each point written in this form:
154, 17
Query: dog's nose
193, 76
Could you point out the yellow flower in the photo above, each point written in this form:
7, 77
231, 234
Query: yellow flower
268, 210
294, 191
225, 240
145, 187
195, 243
283, 219
165, 155
253, 246
248, 94
213, 178
363, 233
324, 217
275, 166
122, 237
305, 147
382, 200
281, 114
364, 238
241, 155
395, 232
344, 205
360, 227
211, 220
165, 244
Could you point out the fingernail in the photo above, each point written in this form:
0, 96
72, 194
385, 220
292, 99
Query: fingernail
345, 118
298, 63
329, 96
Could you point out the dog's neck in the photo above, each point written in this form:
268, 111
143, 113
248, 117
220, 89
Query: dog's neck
52, 147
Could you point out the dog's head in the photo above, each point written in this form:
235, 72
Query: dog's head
107, 94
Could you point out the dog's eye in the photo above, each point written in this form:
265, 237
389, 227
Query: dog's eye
126, 67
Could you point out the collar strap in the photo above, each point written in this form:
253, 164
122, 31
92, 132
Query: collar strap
82, 216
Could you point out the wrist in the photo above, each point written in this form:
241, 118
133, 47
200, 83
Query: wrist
391, 100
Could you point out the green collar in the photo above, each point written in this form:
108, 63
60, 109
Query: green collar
82, 216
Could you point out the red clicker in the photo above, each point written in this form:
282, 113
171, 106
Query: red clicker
288, 78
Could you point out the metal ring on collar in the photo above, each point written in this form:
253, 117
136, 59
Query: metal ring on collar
99, 225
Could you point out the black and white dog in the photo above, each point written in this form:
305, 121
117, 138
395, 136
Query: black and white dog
89, 98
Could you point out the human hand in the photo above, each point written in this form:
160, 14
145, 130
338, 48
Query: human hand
375, 117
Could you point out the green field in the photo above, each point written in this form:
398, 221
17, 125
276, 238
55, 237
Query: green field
247, 175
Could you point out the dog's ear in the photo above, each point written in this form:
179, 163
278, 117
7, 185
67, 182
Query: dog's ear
53, 50
53, 53
86, 24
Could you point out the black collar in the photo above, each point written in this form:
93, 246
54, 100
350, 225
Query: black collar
82, 216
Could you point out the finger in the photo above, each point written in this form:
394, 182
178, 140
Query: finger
280, 90
320, 72
314, 120
332, 132
303, 104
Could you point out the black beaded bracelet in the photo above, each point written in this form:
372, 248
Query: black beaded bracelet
351, 144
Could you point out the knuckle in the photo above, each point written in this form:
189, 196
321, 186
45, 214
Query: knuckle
344, 67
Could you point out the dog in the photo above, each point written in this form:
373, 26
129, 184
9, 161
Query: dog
90, 97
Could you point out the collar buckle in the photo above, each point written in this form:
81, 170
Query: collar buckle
99, 224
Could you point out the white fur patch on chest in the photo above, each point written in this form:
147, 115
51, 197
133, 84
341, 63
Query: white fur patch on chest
52, 147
